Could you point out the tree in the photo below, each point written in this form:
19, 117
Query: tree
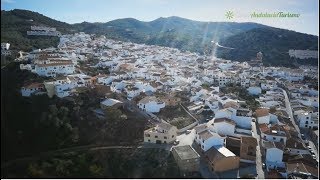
96, 170
34, 170
113, 114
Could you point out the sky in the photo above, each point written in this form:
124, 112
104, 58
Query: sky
76, 11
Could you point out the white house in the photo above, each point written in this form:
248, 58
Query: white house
263, 115
245, 82
274, 154
64, 87
295, 146
224, 113
33, 88
51, 70
310, 101
104, 80
206, 139
212, 103
254, 90
5, 46
308, 119
132, 91
224, 126
117, 85
109, 103
242, 117
275, 133
151, 104
269, 104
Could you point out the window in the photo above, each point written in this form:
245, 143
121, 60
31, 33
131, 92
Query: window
155, 136
147, 135
165, 137
306, 126
172, 136
274, 138
307, 117
148, 140
307, 122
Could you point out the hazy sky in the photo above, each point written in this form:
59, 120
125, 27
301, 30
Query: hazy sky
75, 11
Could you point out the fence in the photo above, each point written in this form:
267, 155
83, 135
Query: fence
188, 127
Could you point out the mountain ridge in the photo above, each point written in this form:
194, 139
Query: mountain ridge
173, 31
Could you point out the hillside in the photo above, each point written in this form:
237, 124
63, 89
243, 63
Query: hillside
173, 31
16, 23
184, 34
274, 43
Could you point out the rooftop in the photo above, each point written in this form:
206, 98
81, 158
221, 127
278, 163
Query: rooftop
208, 134
165, 126
186, 152
218, 120
216, 153
269, 144
262, 112
110, 102
149, 99
224, 151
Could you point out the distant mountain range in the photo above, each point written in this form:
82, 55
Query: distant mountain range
246, 38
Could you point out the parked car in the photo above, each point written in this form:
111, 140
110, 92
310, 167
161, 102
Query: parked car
312, 152
263, 165
188, 131
176, 142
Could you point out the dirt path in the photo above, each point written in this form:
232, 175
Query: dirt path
80, 148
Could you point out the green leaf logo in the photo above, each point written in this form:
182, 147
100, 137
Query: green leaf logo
229, 14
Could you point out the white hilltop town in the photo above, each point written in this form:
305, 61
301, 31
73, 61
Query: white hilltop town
262, 131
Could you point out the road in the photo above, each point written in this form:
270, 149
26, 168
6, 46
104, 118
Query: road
84, 148
187, 139
289, 111
259, 162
